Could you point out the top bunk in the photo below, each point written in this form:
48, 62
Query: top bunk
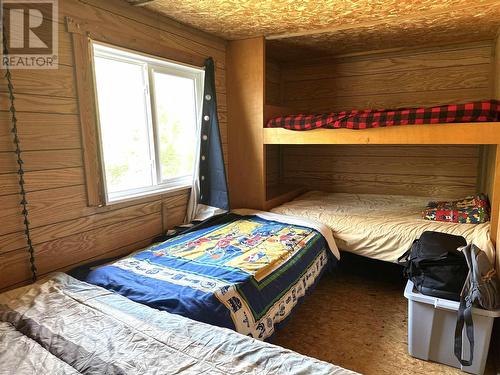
470, 123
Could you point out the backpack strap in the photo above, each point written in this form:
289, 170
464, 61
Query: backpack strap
464, 318
403, 259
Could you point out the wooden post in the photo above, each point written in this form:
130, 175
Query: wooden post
495, 199
245, 72
495, 196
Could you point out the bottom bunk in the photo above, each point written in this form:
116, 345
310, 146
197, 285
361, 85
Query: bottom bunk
379, 226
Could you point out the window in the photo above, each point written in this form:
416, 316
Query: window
149, 113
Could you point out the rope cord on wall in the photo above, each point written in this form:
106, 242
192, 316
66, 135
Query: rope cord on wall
20, 171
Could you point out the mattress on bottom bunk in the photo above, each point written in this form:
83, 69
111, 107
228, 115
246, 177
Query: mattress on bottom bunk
65, 326
245, 273
379, 226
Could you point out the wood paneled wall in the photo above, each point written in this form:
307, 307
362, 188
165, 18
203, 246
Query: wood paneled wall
390, 80
439, 171
411, 78
65, 230
273, 165
274, 83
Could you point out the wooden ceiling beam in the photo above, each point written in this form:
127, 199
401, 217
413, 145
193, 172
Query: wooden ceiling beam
371, 24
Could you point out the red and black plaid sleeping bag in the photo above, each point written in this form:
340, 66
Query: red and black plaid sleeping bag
370, 118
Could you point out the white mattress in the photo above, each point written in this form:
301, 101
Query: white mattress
379, 226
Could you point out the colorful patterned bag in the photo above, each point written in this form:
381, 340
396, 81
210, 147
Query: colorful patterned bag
470, 210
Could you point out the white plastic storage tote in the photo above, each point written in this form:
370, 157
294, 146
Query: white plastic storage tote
431, 330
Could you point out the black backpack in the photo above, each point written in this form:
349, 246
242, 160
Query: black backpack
435, 266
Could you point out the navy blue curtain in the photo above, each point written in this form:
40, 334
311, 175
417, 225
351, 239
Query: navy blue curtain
212, 196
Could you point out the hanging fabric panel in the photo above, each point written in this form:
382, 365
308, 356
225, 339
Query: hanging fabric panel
209, 195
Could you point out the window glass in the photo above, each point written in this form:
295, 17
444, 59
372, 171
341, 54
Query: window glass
149, 113
124, 125
176, 121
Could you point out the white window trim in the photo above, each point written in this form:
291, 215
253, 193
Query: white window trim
150, 64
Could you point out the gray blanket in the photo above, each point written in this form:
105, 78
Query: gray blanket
63, 326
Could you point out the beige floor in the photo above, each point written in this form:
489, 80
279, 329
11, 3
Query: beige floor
358, 320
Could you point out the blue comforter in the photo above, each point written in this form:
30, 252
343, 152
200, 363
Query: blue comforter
246, 273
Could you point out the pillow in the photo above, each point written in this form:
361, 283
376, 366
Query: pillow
470, 210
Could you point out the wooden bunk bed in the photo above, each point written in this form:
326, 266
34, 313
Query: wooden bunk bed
250, 142
478, 133
487, 133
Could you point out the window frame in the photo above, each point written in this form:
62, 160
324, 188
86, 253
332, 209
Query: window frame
149, 65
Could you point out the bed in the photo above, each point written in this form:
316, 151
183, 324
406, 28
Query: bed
61, 325
244, 271
482, 111
378, 226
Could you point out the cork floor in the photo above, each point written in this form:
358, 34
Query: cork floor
357, 318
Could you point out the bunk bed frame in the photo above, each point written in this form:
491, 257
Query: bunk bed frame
249, 140
430, 134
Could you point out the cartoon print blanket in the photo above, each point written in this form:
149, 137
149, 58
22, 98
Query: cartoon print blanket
247, 273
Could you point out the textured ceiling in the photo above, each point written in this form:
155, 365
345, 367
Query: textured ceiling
339, 26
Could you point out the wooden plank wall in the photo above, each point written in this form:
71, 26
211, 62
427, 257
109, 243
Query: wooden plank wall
390, 80
273, 165
65, 230
274, 87
413, 78
437, 171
